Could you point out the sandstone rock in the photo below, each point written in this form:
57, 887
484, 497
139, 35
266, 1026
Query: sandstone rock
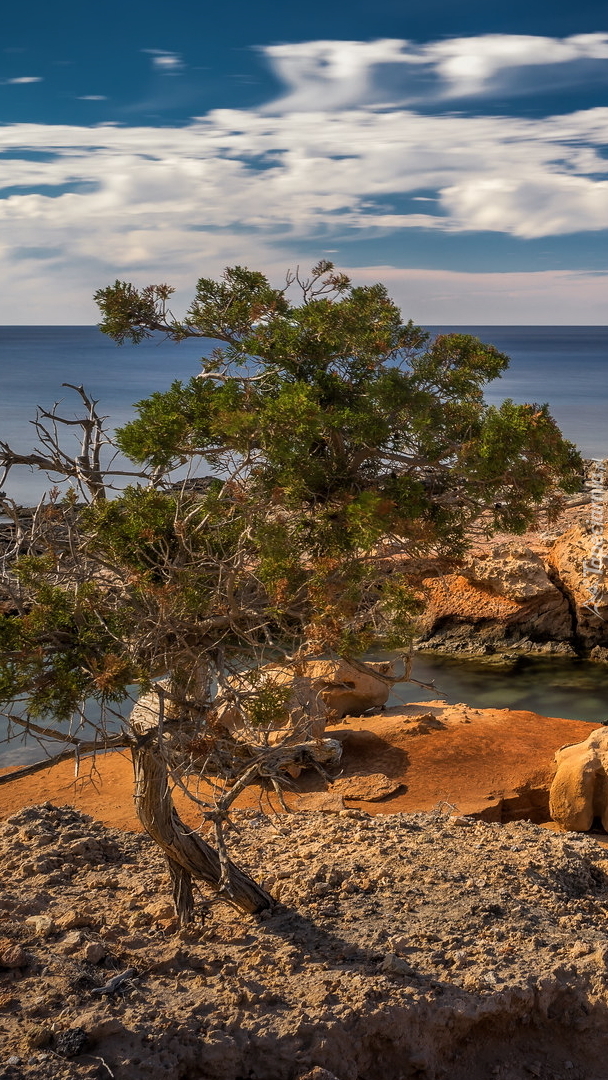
43, 925
512, 570
94, 952
72, 919
571, 557
71, 942
495, 601
322, 689
160, 909
394, 965
579, 792
12, 955
369, 788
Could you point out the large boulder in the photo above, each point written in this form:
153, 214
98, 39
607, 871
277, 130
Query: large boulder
579, 792
319, 691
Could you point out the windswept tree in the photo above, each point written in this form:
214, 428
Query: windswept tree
321, 442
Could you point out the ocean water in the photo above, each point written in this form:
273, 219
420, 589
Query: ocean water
565, 366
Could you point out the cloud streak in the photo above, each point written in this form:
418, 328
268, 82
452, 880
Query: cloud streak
21, 80
257, 185
340, 74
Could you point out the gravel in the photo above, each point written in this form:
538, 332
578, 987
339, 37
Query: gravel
401, 946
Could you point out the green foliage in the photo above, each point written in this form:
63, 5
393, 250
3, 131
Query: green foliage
331, 427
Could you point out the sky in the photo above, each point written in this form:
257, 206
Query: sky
456, 152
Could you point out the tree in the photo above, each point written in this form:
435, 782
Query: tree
323, 442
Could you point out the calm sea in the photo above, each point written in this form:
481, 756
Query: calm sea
565, 366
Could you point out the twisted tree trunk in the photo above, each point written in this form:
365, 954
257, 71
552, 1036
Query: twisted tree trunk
187, 854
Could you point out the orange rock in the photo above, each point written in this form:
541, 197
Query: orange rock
579, 792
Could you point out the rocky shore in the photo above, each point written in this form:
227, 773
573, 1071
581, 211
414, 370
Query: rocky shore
515, 596
492, 764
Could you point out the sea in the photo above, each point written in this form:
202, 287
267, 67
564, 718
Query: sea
565, 366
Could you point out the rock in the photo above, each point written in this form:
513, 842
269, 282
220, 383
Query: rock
399, 945
98, 1024
469, 615
579, 791
71, 942
511, 570
43, 925
70, 1043
38, 1035
322, 690
94, 952
12, 955
72, 919
575, 564
160, 909
369, 788
394, 965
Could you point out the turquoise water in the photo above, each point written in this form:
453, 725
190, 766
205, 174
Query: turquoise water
575, 689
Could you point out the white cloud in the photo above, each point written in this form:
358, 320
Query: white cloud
468, 65
168, 63
22, 79
330, 74
337, 74
254, 186
92, 97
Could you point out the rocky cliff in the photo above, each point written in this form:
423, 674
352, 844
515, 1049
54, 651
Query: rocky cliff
536, 594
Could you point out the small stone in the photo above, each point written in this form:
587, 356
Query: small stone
94, 952
71, 942
394, 965
38, 1035
70, 1043
70, 920
458, 819
399, 945
160, 909
13, 1060
12, 955
568, 1065
43, 925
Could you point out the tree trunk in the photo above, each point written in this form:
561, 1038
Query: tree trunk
187, 854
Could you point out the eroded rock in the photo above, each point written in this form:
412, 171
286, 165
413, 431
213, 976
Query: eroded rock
579, 792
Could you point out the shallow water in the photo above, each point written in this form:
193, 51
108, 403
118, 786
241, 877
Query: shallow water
575, 689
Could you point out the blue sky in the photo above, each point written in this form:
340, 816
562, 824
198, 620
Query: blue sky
457, 152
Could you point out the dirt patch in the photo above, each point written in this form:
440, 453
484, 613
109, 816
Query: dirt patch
402, 946
493, 763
